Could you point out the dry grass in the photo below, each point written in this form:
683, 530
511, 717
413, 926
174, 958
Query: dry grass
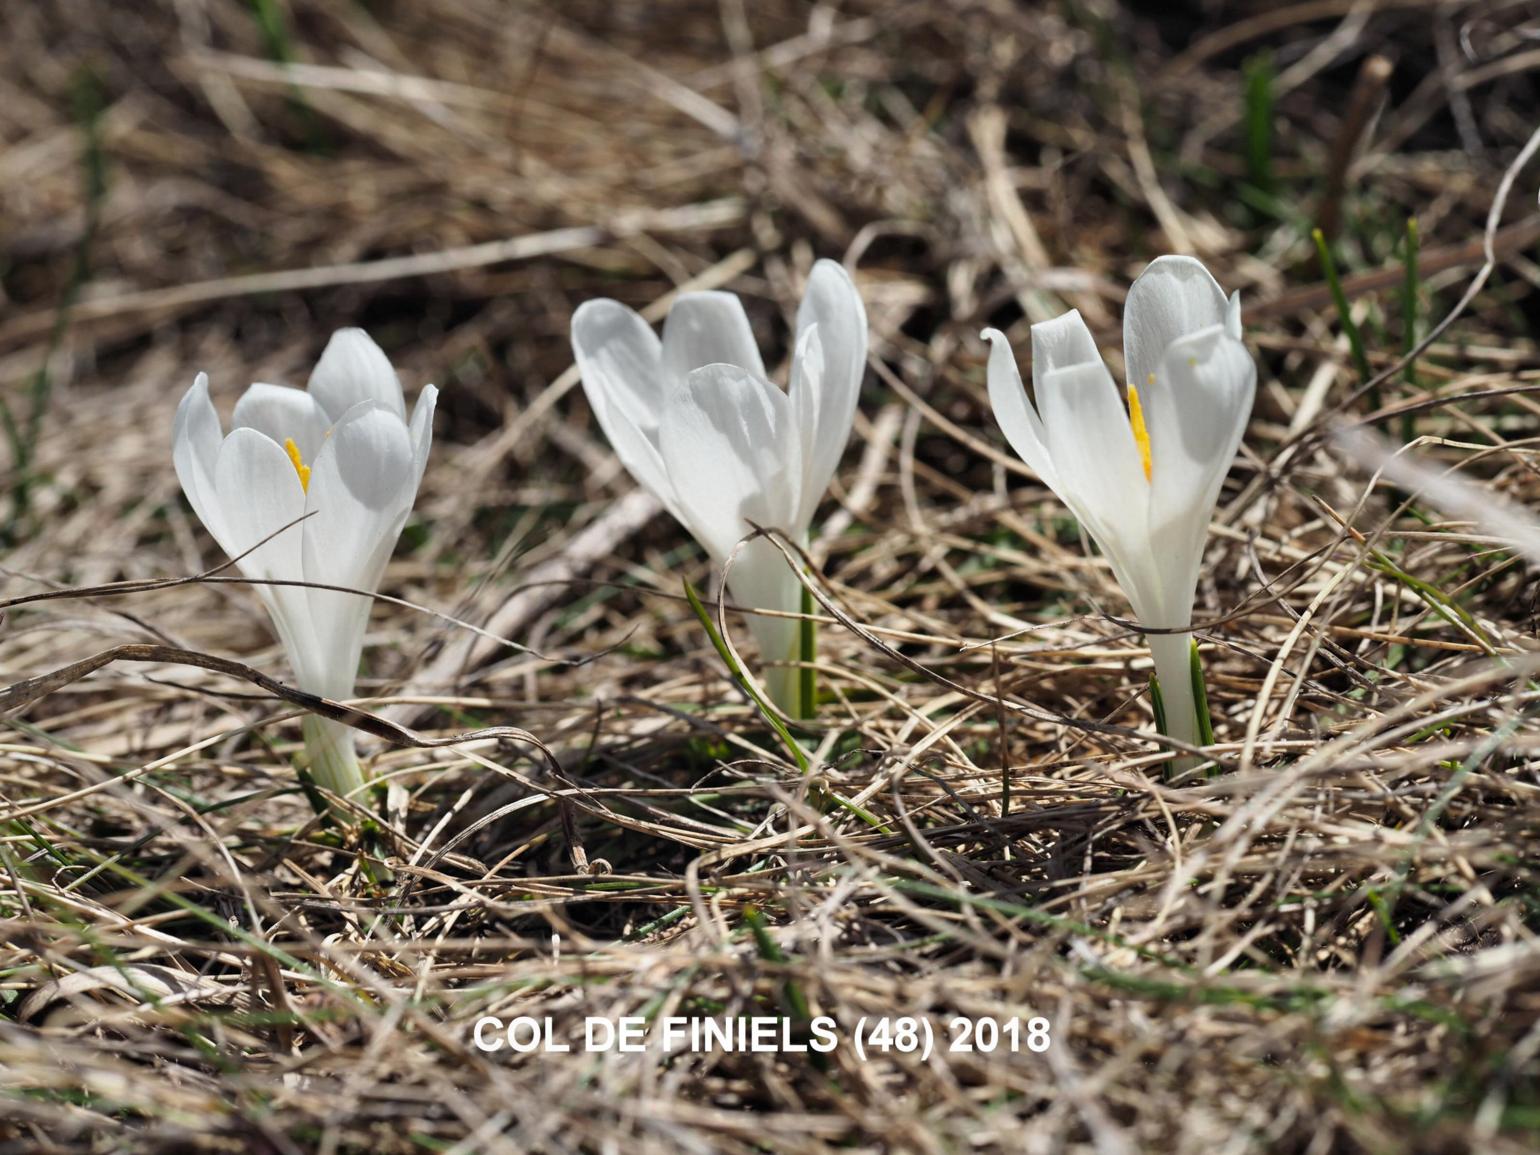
1326, 946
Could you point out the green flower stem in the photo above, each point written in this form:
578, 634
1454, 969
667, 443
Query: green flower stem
333, 756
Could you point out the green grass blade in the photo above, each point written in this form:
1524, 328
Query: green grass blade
799, 756
1158, 704
793, 747
807, 676
1200, 697
1258, 75
796, 1001
23, 434
1409, 291
275, 35
1431, 595
1349, 326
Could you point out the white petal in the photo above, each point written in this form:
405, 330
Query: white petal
1173, 297
821, 433
616, 350
1100, 472
825, 410
361, 489
1233, 316
283, 413
421, 430
353, 368
1196, 412
362, 486
832, 302
733, 454
1018, 419
195, 440
1082, 419
620, 360
1060, 343
707, 329
259, 493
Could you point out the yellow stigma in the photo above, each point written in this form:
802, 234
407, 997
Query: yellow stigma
1136, 419
304, 470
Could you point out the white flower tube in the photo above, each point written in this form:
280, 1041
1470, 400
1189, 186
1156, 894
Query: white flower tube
1143, 480
342, 452
698, 423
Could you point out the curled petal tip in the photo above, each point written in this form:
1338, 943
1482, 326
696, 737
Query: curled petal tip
421, 426
1176, 264
1068, 322
195, 394
705, 328
352, 333
353, 342
353, 368
833, 268
196, 400
595, 307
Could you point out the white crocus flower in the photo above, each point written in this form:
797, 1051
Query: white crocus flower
697, 421
1142, 480
342, 452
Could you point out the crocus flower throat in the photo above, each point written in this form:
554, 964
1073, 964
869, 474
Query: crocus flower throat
304, 470
1135, 421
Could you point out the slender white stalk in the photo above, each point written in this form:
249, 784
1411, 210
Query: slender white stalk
1173, 669
785, 686
332, 751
